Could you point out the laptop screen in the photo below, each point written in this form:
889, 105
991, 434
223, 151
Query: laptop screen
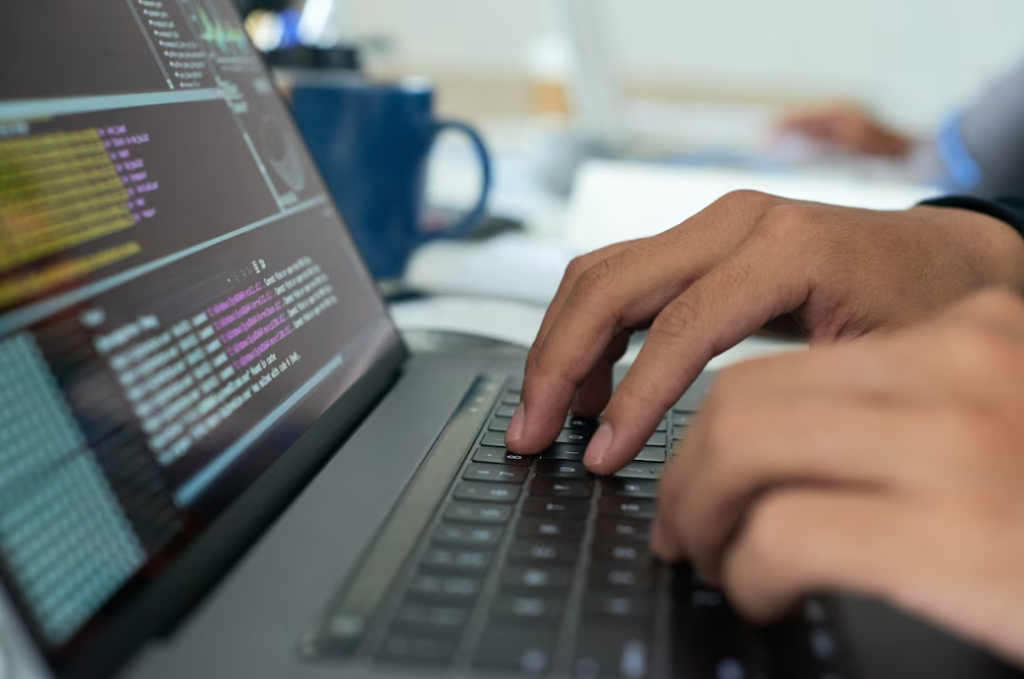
179, 301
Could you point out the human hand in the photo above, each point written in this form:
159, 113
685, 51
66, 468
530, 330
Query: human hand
888, 467
713, 280
848, 128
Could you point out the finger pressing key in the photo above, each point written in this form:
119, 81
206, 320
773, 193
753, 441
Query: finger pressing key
715, 313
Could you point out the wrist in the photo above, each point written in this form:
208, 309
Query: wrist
991, 246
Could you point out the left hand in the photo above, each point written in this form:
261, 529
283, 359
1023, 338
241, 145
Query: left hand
889, 467
848, 128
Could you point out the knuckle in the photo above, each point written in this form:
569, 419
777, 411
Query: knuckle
748, 198
677, 319
646, 388
540, 363
596, 279
577, 265
788, 223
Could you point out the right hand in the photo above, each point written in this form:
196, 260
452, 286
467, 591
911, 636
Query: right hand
848, 128
706, 284
889, 468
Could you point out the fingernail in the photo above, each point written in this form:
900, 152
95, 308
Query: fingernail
515, 427
599, 445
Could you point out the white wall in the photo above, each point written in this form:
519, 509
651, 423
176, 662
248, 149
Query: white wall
909, 58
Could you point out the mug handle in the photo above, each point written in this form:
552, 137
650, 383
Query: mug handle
470, 221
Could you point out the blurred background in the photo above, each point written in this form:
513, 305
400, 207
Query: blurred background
907, 59
612, 119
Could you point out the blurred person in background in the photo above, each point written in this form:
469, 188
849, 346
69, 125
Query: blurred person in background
978, 150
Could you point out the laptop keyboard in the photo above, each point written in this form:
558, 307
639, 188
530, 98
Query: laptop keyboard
532, 565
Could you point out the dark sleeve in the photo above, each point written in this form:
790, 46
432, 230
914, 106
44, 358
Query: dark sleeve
1009, 209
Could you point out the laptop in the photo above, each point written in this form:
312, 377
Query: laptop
218, 459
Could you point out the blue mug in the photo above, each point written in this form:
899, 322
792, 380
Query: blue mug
372, 142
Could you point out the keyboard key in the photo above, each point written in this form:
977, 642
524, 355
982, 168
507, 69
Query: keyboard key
501, 456
541, 551
486, 492
652, 454
580, 423
536, 577
618, 606
495, 473
641, 470
529, 609
493, 438
702, 598
471, 512
457, 559
511, 398
620, 487
527, 651
469, 536
623, 529
412, 648
824, 645
711, 640
626, 553
552, 507
609, 651
417, 618
563, 469
682, 419
662, 426
442, 586
816, 612
505, 411
678, 433
556, 487
579, 437
345, 630
564, 451
658, 439
685, 574
635, 508
620, 577
499, 424
731, 668
556, 529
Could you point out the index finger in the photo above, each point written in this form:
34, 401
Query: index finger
614, 295
618, 293
757, 284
